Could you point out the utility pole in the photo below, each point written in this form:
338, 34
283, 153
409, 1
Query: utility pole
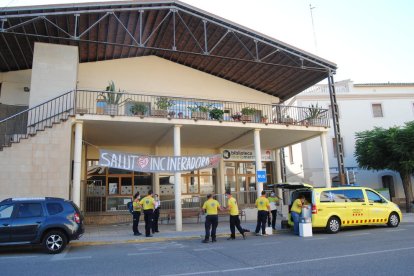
313, 28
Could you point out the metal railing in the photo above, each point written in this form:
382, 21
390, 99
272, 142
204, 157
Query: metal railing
28, 122
25, 123
96, 102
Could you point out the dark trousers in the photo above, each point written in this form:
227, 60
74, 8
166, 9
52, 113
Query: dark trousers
155, 218
135, 221
235, 223
148, 221
274, 215
211, 222
261, 221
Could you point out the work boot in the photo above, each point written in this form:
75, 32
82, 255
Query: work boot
204, 241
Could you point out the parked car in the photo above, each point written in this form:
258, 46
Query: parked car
335, 208
51, 222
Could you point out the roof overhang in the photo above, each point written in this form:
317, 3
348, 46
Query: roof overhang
168, 29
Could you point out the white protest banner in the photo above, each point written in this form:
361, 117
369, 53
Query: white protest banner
152, 163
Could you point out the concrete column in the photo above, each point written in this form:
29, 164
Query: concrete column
221, 172
258, 155
325, 160
278, 171
77, 157
177, 181
156, 179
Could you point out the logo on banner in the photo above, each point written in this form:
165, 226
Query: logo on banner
143, 162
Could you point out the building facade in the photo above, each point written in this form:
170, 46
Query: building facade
186, 84
361, 107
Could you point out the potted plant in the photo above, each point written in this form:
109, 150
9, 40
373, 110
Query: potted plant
236, 116
138, 109
247, 113
180, 115
313, 114
112, 99
286, 119
163, 103
200, 111
263, 118
217, 114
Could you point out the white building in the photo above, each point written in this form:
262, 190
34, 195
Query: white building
361, 107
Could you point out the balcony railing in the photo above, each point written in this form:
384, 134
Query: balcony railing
126, 104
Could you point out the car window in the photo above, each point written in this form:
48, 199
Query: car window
6, 211
373, 197
54, 208
332, 196
354, 195
27, 210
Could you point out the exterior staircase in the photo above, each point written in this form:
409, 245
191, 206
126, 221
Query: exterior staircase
27, 123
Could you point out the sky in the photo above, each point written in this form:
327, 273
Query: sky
371, 41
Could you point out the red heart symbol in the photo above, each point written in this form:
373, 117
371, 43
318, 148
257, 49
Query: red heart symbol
143, 161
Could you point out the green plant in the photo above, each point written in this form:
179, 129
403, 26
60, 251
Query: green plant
200, 108
248, 110
216, 114
313, 112
164, 103
138, 108
111, 96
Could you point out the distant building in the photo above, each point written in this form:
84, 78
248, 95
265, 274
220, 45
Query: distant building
361, 107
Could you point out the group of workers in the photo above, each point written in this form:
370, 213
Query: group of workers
150, 205
266, 214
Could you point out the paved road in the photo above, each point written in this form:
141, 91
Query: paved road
361, 251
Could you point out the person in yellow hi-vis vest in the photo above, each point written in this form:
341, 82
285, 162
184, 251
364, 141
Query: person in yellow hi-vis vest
274, 201
263, 208
210, 207
136, 214
234, 216
295, 212
147, 204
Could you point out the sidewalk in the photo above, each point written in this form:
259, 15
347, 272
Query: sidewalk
122, 233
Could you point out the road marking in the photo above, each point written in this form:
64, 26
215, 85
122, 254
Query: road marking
73, 258
265, 243
314, 239
358, 234
145, 253
395, 230
16, 257
204, 249
294, 262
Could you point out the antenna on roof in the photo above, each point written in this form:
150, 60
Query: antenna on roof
313, 27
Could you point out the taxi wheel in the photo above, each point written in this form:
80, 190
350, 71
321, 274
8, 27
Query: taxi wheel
334, 225
393, 220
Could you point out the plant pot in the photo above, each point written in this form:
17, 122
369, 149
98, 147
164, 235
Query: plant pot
199, 115
159, 113
111, 109
313, 122
247, 118
287, 120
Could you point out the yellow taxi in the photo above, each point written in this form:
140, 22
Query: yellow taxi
334, 208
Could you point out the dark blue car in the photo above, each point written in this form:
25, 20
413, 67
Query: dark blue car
51, 222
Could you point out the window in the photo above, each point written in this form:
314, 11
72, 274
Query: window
354, 196
373, 197
335, 150
28, 210
377, 110
54, 208
6, 211
332, 196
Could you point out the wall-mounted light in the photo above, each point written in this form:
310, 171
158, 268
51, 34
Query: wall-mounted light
26, 89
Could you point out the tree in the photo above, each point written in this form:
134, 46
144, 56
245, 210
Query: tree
392, 149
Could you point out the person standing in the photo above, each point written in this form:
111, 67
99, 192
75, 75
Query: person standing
147, 204
295, 212
234, 216
136, 214
210, 207
157, 205
273, 200
263, 208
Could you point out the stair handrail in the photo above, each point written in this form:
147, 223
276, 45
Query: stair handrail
36, 106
